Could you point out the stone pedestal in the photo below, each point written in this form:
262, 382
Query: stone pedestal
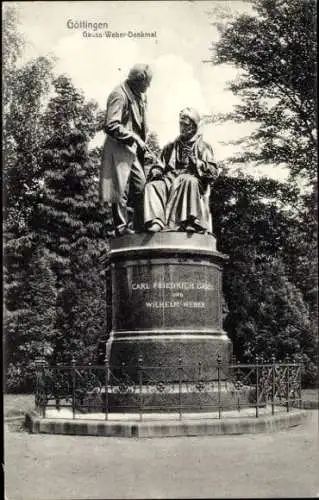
166, 304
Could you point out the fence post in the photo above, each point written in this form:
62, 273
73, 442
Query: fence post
37, 383
40, 386
257, 386
73, 386
238, 379
288, 382
180, 387
273, 383
296, 392
300, 383
44, 399
140, 377
199, 383
219, 360
232, 370
106, 385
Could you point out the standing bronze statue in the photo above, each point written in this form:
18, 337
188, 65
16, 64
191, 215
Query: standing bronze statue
177, 192
122, 176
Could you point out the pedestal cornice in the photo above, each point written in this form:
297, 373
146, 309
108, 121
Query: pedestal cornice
165, 243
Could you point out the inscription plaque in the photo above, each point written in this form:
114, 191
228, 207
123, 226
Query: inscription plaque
166, 296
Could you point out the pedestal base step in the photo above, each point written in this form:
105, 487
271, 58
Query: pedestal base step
161, 426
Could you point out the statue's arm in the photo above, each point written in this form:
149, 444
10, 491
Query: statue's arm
157, 170
115, 110
206, 165
163, 168
166, 157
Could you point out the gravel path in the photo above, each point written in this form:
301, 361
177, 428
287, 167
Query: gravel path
282, 464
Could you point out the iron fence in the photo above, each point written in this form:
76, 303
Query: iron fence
105, 390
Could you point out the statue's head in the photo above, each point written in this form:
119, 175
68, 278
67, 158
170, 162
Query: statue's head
189, 120
140, 77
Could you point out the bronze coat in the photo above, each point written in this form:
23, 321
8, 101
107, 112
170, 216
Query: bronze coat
124, 121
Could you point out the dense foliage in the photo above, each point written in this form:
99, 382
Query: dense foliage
274, 50
270, 310
71, 223
268, 228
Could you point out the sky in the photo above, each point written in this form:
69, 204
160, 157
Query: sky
184, 35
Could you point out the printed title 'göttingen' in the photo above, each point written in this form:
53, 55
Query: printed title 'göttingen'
80, 25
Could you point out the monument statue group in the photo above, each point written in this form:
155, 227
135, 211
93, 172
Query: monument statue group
175, 194
164, 266
166, 348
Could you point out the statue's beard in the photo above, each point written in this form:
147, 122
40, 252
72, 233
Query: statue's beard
187, 132
137, 89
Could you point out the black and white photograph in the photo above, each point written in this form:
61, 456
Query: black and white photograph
160, 250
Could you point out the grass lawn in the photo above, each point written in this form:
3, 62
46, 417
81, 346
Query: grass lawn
310, 394
17, 404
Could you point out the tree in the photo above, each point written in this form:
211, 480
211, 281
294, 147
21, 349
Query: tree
67, 215
23, 138
301, 255
82, 313
275, 51
24, 90
256, 223
25, 87
153, 152
153, 144
271, 317
30, 328
253, 215
71, 222
13, 44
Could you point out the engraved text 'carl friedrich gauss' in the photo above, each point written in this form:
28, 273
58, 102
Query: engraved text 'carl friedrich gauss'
172, 285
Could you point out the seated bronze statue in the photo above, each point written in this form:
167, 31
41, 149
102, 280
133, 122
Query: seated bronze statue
176, 195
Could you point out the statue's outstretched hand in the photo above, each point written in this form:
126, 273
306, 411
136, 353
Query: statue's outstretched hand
206, 170
156, 173
141, 144
192, 160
